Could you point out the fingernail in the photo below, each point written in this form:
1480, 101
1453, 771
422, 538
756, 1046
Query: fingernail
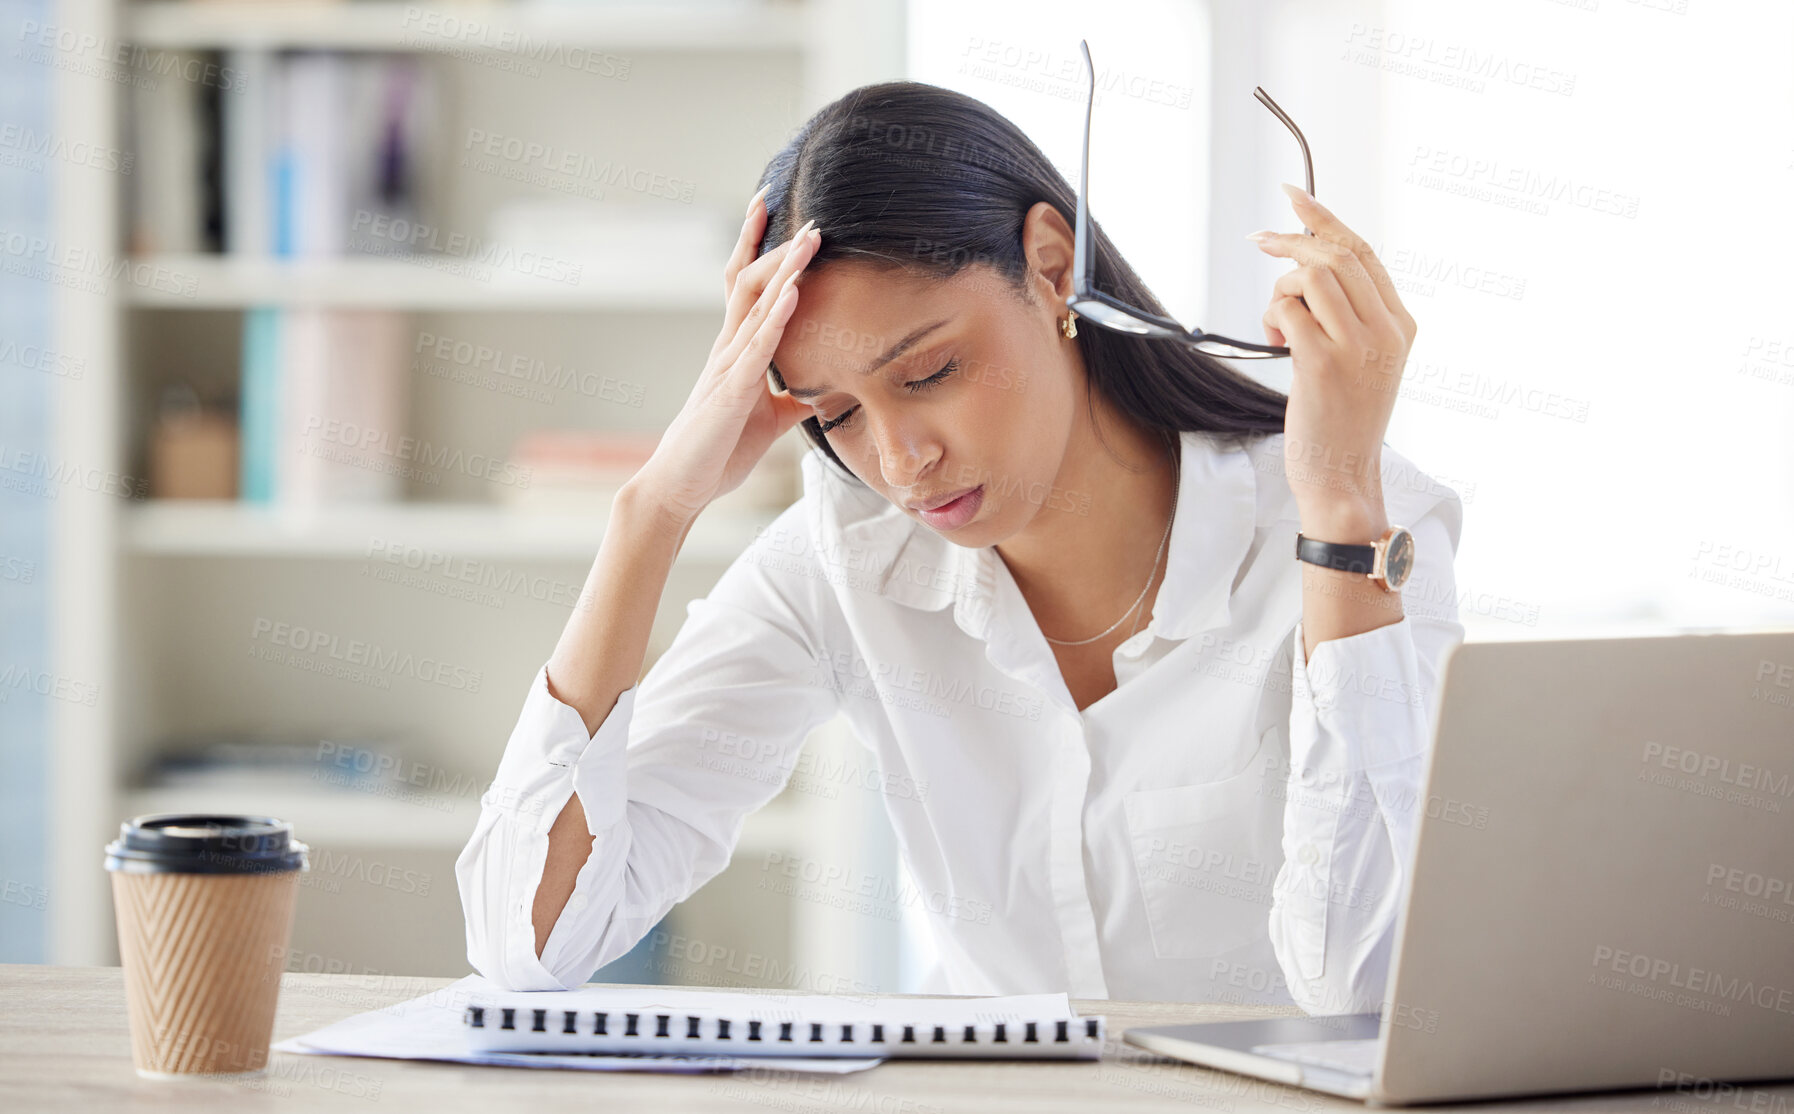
755, 198
1297, 192
1260, 236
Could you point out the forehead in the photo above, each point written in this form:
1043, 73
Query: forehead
850, 314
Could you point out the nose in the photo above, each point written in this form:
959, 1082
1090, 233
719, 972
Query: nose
906, 450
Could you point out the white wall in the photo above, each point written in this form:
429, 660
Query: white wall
1579, 200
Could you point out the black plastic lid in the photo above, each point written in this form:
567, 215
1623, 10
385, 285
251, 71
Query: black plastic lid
204, 843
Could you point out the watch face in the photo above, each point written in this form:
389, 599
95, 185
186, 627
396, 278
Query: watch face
1398, 562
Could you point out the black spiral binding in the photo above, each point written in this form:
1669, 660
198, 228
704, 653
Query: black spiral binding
475, 1017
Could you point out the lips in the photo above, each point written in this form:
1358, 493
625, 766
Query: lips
934, 502
955, 512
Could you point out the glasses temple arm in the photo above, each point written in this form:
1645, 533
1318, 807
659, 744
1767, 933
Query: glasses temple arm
1264, 98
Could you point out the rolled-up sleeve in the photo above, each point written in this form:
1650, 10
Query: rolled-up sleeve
708, 735
1360, 726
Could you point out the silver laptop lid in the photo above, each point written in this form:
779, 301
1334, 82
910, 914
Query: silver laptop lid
1602, 881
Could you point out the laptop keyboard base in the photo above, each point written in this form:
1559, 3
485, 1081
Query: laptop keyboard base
1351, 1057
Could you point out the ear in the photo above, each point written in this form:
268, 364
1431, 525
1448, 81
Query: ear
1047, 243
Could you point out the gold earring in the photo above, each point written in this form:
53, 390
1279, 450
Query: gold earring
1069, 324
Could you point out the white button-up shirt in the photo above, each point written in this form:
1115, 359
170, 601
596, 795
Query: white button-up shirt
1231, 823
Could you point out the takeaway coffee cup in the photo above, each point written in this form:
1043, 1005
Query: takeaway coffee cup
205, 909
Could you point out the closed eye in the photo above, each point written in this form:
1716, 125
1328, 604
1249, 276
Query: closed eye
915, 387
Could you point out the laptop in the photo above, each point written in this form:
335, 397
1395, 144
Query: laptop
1602, 885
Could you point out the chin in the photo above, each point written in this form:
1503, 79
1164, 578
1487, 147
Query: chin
991, 527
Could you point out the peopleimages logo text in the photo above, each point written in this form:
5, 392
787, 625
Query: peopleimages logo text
1742, 774
1699, 980
369, 655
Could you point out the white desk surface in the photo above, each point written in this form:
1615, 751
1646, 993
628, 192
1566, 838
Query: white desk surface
65, 1046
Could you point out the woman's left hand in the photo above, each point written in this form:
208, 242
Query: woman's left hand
1348, 346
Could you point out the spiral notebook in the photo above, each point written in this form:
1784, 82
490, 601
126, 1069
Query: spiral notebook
432, 1027
699, 1022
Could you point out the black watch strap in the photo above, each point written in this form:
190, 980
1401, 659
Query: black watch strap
1336, 555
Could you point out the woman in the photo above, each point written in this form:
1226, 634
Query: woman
1210, 797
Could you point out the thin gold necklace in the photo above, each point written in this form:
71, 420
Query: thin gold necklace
1177, 485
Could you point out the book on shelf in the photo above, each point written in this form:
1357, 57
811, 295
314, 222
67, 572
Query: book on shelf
264, 762
324, 400
265, 758
321, 154
308, 140
577, 473
279, 153
248, 122
164, 201
259, 394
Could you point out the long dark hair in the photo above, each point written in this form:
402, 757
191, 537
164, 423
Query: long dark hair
908, 175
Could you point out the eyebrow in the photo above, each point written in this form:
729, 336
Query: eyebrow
892, 353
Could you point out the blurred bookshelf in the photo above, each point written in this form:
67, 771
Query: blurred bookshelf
162, 611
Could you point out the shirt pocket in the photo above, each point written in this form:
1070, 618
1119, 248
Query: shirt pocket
1207, 855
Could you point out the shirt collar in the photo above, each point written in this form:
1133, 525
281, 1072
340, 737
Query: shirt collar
872, 546
905, 561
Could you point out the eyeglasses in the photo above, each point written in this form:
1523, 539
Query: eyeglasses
1112, 313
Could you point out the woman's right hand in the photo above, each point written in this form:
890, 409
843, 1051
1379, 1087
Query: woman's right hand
733, 416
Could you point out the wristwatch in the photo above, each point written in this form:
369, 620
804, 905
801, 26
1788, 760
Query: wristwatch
1386, 561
